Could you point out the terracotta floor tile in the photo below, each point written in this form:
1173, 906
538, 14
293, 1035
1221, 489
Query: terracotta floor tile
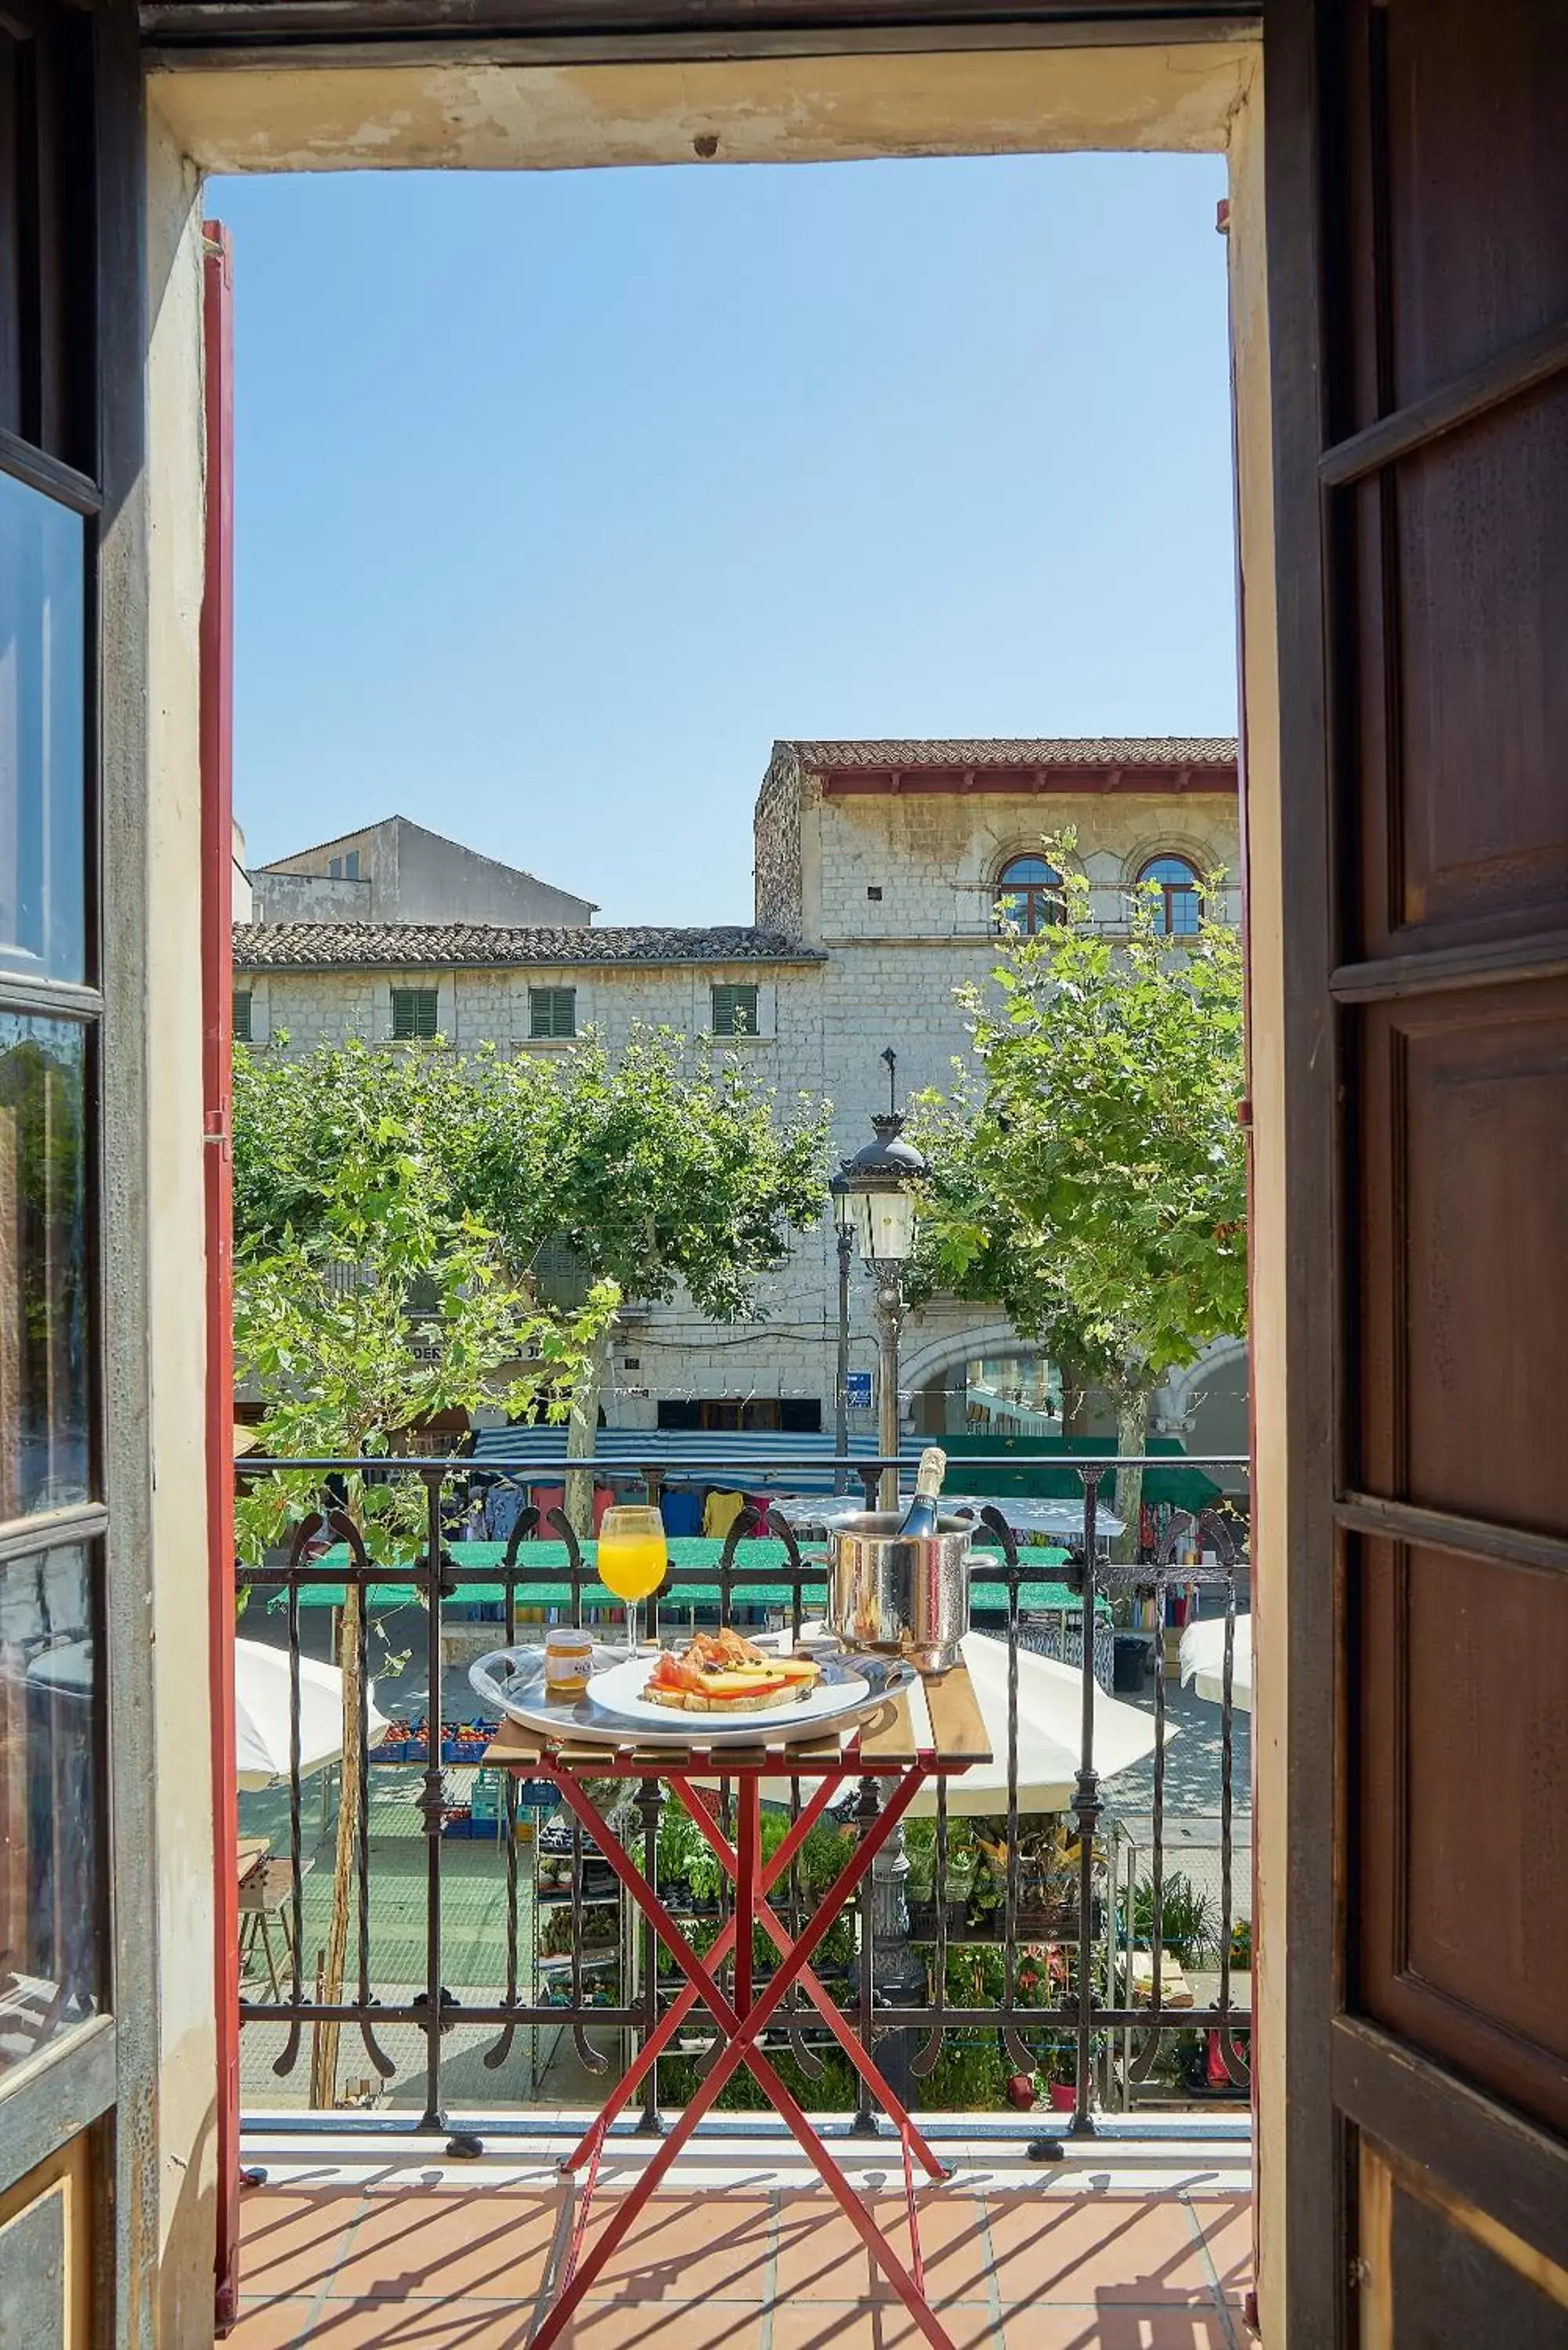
419, 2326
1095, 2249
688, 2247
664, 2325
829, 2325
1227, 2227
290, 2238
822, 2257
271, 2325
434, 2243
881, 2326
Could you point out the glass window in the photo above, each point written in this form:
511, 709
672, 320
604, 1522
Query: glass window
552, 1012
351, 866
45, 1391
49, 1806
735, 1011
1177, 905
413, 1011
1029, 894
243, 1015
43, 745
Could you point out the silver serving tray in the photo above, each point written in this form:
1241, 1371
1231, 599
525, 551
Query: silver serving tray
511, 1681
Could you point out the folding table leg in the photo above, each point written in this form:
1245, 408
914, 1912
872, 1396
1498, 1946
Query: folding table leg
743, 2046
860, 2058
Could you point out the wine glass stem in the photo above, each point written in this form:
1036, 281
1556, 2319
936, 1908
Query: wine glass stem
631, 1626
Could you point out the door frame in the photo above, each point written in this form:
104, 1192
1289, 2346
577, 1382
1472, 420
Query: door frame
236, 107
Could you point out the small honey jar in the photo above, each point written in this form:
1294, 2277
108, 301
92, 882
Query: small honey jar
568, 1661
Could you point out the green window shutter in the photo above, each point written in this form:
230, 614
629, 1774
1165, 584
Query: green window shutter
552, 1012
242, 1015
414, 1012
735, 1011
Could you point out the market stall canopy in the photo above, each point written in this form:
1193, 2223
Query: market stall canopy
757, 1565
1063, 1521
1045, 1469
262, 1708
1203, 1660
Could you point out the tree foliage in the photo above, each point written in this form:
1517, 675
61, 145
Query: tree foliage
1095, 1185
1101, 1176
660, 1167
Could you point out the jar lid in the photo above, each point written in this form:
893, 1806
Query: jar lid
568, 1640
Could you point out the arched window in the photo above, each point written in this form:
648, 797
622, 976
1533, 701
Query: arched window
1176, 906
1029, 894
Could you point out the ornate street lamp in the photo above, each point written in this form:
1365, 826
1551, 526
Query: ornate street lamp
874, 1199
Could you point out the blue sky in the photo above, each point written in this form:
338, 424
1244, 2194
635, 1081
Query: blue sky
559, 496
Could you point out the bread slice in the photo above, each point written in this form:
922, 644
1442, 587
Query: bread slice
692, 1701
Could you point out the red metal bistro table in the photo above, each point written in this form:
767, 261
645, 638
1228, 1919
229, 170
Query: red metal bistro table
884, 1747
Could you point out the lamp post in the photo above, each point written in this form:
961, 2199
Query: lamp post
844, 1224
874, 1200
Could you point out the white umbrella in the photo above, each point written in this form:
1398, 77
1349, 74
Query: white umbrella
1049, 1718
1203, 1660
261, 1714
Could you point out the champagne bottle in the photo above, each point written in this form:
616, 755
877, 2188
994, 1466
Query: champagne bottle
920, 1518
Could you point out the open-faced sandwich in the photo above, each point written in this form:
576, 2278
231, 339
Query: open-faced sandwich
720, 1673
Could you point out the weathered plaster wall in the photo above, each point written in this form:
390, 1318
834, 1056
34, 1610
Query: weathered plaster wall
176, 1336
1266, 903
481, 116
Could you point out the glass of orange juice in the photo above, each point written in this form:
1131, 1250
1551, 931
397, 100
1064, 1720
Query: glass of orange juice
632, 1557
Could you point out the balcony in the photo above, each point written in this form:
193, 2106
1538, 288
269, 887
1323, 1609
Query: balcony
496, 1983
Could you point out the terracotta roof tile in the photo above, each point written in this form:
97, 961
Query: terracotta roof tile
402, 946
1008, 751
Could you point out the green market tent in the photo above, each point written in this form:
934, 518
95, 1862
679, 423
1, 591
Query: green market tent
1185, 1486
755, 1562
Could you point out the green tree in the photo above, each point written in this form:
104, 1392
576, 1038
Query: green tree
348, 1214
1098, 1189
661, 1167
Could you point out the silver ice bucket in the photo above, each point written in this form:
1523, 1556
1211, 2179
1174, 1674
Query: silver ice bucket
901, 1597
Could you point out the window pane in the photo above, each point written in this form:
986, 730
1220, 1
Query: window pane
45, 1397
50, 1882
413, 1011
43, 777
735, 1011
241, 1016
552, 1012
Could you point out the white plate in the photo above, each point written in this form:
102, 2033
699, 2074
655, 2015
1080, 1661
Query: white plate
619, 1691
512, 1682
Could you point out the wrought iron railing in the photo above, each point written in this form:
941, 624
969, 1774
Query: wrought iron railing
1052, 1982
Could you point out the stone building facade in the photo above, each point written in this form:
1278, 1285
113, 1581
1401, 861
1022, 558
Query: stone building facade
880, 867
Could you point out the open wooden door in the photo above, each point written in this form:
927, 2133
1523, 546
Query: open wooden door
1418, 267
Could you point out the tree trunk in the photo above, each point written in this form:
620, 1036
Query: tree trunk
324, 2037
1075, 1395
1132, 1436
582, 1433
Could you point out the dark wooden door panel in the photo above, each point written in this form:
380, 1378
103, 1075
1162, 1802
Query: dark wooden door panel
1434, 704
1464, 1183
1462, 1898
1462, 590
1476, 161
1440, 2278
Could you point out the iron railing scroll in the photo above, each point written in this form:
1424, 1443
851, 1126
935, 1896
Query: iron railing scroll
1052, 1986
